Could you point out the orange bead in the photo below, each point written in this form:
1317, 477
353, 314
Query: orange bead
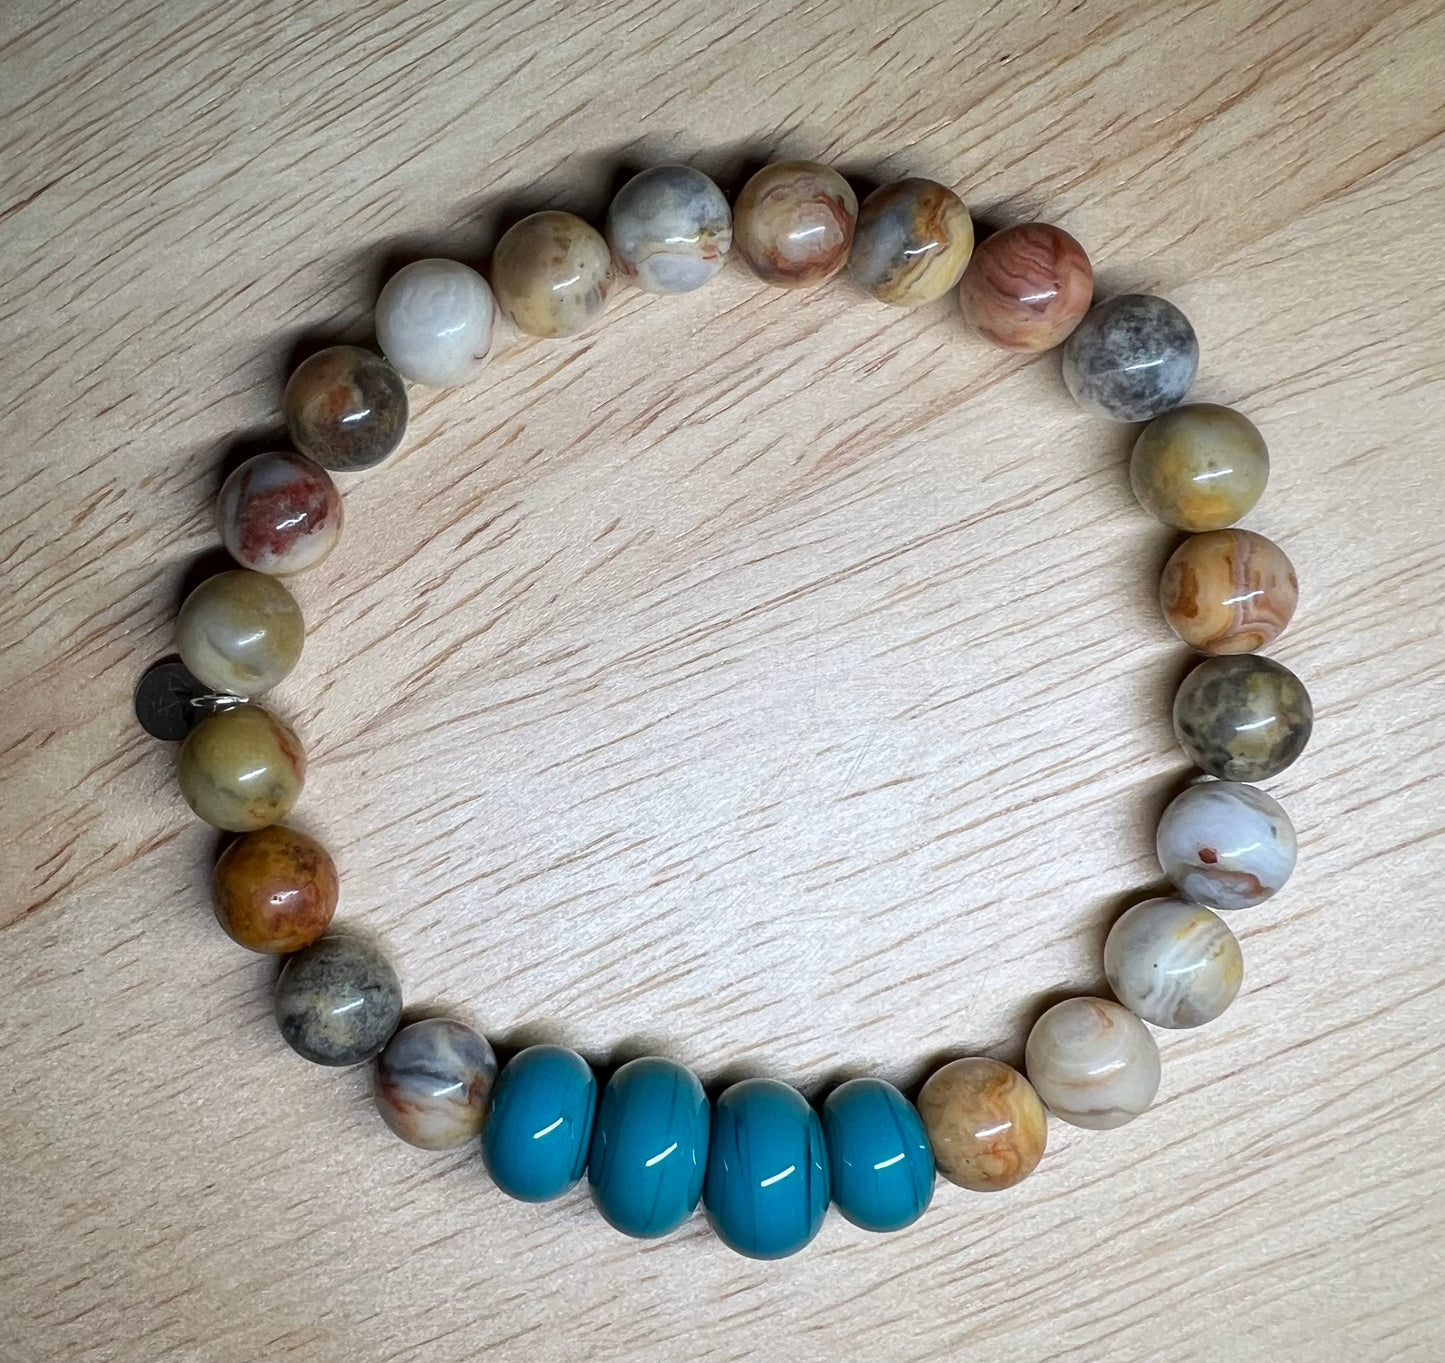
1027, 287
985, 1123
275, 890
1228, 591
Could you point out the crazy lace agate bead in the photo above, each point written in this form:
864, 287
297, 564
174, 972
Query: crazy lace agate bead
1131, 358
432, 1082
274, 890
670, 229
434, 322
241, 768
1228, 591
1199, 467
1227, 845
1027, 287
1242, 718
337, 1001
794, 222
1093, 1063
346, 408
279, 513
240, 632
552, 274
911, 243
1173, 963
985, 1123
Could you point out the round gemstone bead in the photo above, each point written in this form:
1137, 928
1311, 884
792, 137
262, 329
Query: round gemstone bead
1228, 591
986, 1124
1199, 467
539, 1123
434, 321
346, 408
1131, 358
1242, 718
649, 1147
1027, 287
240, 632
432, 1082
274, 890
552, 273
1173, 963
911, 243
766, 1190
241, 768
880, 1169
670, 229
1226, 845
337, 1001
279, 513
1093, 1063
794, 222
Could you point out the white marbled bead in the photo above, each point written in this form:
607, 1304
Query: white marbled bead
1173, 963
670, 229
434, 322
1226, 844
1093, 1063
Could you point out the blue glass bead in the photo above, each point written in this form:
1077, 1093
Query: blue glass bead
649, 1147
766, 1189
539, 1121
880, 1165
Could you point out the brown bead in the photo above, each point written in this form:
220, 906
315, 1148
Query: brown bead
346, 408
985, 1123
1027, 287
1228, 591
275, 890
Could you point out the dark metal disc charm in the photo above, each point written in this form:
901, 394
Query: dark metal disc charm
169, 702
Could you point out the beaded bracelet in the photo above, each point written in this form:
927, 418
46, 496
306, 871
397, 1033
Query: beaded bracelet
764, 1162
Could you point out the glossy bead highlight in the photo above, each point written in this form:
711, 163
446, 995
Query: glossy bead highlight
337, 1001
649, 1147
985, 1123
766, 1190
539, 1123
880, 1168
274, 890
1242, 718
432, 1083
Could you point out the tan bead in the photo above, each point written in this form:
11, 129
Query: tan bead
794, 222
1228, 591
240, 632
912, 242
275, 890
1199, 467
241, 768
986, 1124
552, 273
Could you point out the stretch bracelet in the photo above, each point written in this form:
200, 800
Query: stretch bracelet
764, 1162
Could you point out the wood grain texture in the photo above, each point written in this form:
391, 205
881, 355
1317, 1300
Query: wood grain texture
774, 681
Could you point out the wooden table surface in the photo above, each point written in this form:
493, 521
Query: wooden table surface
772, 681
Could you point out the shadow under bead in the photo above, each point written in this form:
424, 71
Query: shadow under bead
986, 1124
1131, 358
337, 1001
240, 632
241, 768
911, 243
346, 408
274, 890
432, 1083
1242, 718
794, 222
1027, 287
279, 513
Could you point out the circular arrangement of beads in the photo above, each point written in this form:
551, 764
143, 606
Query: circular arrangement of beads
763, 1161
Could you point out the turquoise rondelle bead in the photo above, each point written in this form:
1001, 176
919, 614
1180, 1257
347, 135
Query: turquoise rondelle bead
539, 1121
880, 1165
766, 1189
649, 1147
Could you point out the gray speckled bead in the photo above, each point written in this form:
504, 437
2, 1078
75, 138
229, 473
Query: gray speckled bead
1242, 717
670, 229
432, 1083
1172, 963
338, 1001
1131, 358
1226, 845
